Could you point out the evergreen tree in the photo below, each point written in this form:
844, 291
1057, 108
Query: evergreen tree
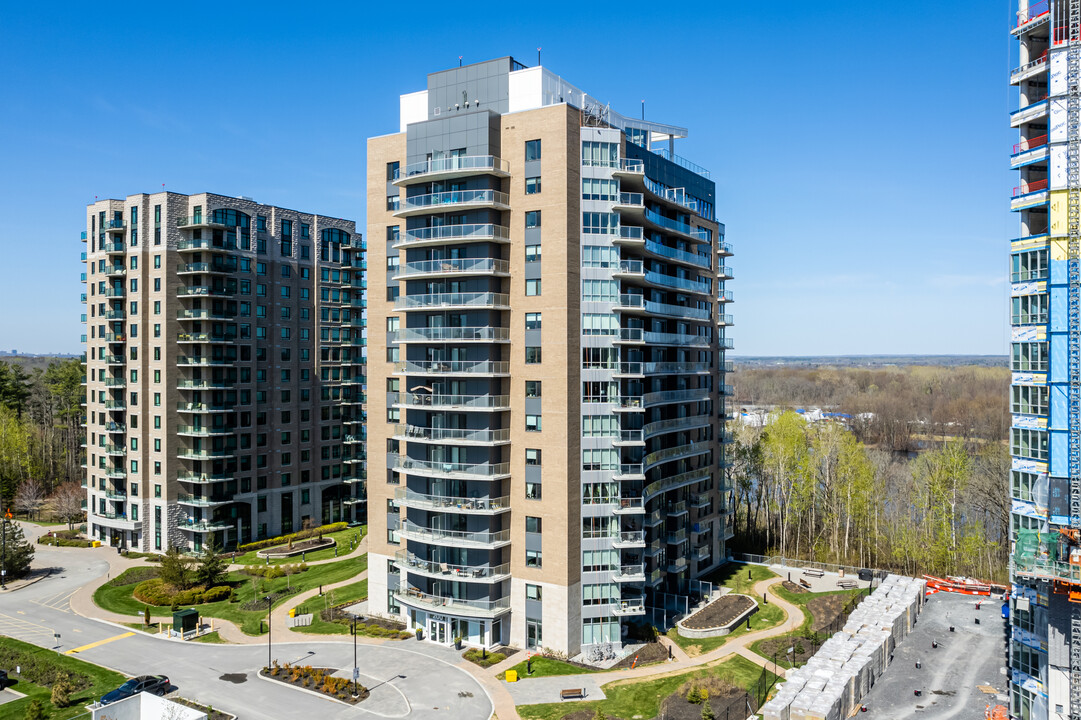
34, 711
176, 569
212, 565
17, 551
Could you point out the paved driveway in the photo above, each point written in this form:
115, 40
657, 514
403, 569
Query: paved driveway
415, 680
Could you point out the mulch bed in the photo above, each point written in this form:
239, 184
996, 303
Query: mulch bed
792, 587
780, 645
300, 683
719, 613
212, 713
298, 547
590, 714
825, 609
733, 705
652, 652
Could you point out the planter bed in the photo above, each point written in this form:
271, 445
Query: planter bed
304, 546
651, 652
305, 679
719, 617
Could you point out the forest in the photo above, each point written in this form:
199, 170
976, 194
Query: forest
41, 436
915, 480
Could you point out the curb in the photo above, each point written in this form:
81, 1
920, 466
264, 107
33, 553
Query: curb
28, 583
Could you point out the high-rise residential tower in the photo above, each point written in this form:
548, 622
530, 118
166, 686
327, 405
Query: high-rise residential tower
548, 359
225, 371
1045, 437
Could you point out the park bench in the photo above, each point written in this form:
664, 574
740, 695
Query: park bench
804, 583
814, 573
572, 693
847, 584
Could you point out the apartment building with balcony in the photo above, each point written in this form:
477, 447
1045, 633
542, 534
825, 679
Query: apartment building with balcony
548, 365
225, 371
1044, 644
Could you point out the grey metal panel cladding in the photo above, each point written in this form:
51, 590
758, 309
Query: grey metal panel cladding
1058, 634
488, 82
533, 168
532, 236
477, 131
532, 271
533, 541
533, 609
533, 474
533, 406
532, 337
392, 189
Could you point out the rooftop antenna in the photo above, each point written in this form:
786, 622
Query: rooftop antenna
538, 56
459, 61
643, 109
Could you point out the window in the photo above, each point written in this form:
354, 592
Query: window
532, 456
532, 321
1029, 357
600, 426
393, 202
532, 253
532, 388
157, 491
533, 287
600, 459
532, 524
1028, 400
157, 262
393, 171
532, 355
533, 423
600, 291
599, 256
533, 558
533, 219
260, 223
601, 324
1022, 485
533, 592
1029, 309
600, 391
532, 490
600, 154
596, 223
600, 189
393, 262
305, 233
532, 185
287, 228
1028, 266
532, 150
1028, 443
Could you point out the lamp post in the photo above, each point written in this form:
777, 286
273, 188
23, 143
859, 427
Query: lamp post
4, 552
356, 672
269, 631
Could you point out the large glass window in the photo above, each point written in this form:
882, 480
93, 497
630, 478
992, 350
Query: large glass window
597, 223
1031, 265
600, 291
1028, 357
1028, 400
1027, 486
600, 189
600, 154
1029, 309
1028, 443
532, 150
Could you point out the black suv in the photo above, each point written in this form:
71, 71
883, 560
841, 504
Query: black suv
156, 684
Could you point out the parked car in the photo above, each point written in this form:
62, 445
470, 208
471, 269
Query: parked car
3, 679
156, 684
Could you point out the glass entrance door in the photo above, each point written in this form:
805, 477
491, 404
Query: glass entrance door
438, 632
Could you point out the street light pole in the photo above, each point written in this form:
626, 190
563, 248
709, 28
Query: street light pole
269, 632
355, 673
4, 559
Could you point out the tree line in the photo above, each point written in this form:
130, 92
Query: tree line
41, 438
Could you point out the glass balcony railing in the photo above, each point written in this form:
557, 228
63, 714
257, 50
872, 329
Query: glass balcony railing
455, 266
193, 477
414, 531
670, 396
435, 467
450, 605
679, 283
693, 258
630, 200
631, 538
468, 300
454, 367
456, 233
114, 292
457, 163
455, 198
204, 526
116, 271
440, 502
449, 334
111, 225
449, 401
412, 432
411, 563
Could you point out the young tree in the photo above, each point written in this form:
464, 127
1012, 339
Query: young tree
211, 567
30, 497
68, 503
176, 569
34, 711
18, 552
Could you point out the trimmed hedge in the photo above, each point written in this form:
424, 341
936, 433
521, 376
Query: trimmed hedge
273, 572
156, 592
134, 576
62, 542
301, 535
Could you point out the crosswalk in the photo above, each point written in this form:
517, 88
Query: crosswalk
60, 601
26, 630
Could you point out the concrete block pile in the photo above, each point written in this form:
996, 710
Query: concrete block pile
834, 681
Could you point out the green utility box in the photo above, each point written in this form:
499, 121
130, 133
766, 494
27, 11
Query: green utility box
185, 621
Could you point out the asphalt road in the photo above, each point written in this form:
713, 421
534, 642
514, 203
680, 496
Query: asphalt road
410, 679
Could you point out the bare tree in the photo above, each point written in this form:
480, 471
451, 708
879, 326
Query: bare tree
30, 497
68, 503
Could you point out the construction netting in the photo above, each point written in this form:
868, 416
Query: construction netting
1035, 545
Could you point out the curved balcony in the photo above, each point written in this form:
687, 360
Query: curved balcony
665, 397
453, 367
676, 424
432, 468
674, 482
454, 334
453, 606
677, 283
193, 454
203, 291
456, 234
413, 433
212, 268
677, 453
120, 521
698, 260
202, 478
449, 168
678, 339
205, 526
410, 563
113, 226
455, 538
450, 503
490, 403
198, 407
197, 431
198, 221
453, 266
454, 301
453, 201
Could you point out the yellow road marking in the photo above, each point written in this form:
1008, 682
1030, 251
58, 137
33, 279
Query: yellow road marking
99, 642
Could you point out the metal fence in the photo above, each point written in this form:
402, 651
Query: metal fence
803, 564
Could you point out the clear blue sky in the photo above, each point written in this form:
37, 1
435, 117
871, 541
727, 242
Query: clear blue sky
861, 149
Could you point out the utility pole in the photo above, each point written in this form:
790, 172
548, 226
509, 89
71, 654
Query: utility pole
356, 670
269, 631
4, 552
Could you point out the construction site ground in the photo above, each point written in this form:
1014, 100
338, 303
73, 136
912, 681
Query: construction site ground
951, 676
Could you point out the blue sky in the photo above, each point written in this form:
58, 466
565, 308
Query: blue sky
861, 150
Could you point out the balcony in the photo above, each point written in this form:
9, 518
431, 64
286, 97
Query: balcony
628, 438
449, 503
196, 454
675, 482
1037, 13
680, 339
116, 271
115, 473
676, 509
629, 269
110, 449
203, 337
205, 526
453, 367
630, 169
448, 168
198, 221
202, 385
630, 204
410, 563
115, 382
630, 539
629, 607
193, 244
665, 397
629, 471
119, 521
197, 431
453, 606
455, 538
630, 506
1029, 113
114, 247
700, 500
204, 291
199, 407
434, 468
114, 360
701, 260
113, 337
202, 478
453, 201
631, 236
454, 334
678, 283
196, 360
496, 403
202, 500
444, 234
221, 268
453, 266
630, 574
1028, 151
413, 433
114, 292
1029, 69
116, 495
678, 453
113, 226
115, 405
115, 428
114, 315
454, 301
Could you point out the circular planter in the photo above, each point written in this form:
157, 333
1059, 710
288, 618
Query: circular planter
749, 607
283, 551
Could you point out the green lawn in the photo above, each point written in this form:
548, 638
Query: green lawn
102, 682
212, 638
768, 616
119, 599
642, 699
342, 537
547, 667
354, 592
734, 575
800, 600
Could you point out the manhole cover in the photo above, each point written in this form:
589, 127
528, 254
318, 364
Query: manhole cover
235, 678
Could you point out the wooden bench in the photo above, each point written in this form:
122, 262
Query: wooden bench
847, 584
572, 693
804, 583
814, 573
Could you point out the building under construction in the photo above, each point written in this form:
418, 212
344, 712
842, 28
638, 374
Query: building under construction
1045, 314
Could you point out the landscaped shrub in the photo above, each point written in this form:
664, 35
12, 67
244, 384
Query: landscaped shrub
61, 694
156, 592
63, 539
40, 668
272, 572
477, 657
301, 535
134, 576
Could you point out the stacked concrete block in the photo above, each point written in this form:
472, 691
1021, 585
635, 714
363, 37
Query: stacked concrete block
834, 681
